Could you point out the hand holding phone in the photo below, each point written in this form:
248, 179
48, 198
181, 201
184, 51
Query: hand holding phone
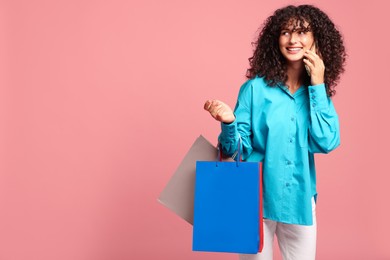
314, 65
312, 48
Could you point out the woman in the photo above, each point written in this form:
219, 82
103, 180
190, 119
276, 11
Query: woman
283, 116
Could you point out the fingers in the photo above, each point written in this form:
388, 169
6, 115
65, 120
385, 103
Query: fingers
313, 57
313, 60
210, 105
219, 111
215, 109
207, 105
310, 56
316, 67
309, 64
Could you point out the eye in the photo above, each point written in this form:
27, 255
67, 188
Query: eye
285, 33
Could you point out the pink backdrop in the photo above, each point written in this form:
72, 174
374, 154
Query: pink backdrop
100, 101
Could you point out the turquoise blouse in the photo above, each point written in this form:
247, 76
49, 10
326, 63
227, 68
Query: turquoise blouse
283, 131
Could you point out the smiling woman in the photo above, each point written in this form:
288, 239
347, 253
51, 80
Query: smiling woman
294, 40
296, 43
305, 27
283, 116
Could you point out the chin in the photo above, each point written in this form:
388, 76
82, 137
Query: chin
294, 60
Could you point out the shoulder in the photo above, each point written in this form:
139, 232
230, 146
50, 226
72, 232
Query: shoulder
254, 84
255, 87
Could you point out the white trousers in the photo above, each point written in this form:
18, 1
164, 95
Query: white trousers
296, 242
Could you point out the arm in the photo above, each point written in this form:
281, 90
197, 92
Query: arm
234, 125
324, 132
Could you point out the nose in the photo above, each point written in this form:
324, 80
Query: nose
293, 38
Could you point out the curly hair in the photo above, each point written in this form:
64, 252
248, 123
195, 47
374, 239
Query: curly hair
267, 60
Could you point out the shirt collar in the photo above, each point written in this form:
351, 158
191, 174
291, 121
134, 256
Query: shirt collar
298, 92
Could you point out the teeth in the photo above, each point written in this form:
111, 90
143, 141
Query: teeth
293, 49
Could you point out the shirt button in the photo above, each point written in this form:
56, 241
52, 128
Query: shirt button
287, 184
288, 162
314, 105
292, 119
313, 96
291, 140
312, 90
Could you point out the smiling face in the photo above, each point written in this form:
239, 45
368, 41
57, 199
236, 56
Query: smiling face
294, 40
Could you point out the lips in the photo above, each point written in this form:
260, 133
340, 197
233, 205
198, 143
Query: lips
294, 50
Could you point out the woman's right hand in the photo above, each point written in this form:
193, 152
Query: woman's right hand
220, 111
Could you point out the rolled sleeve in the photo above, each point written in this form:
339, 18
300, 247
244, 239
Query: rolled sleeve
318, 97
229, 137
229, 131
324, 133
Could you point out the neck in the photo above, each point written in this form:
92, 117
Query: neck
294, 75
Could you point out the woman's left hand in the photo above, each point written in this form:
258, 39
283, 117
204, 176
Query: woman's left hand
316, 66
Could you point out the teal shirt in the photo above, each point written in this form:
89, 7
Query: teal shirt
283, 131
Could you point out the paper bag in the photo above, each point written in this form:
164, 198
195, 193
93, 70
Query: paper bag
228, 207
178, 194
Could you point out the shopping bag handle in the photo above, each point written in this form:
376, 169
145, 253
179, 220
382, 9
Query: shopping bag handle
235, 155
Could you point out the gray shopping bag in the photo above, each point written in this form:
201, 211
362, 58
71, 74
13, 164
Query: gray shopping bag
178, 194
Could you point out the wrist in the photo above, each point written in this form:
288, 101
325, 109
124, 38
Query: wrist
316, 83
229, 120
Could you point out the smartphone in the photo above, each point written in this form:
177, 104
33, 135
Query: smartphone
312, 48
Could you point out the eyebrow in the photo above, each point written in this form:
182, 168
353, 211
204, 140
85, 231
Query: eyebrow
296, 28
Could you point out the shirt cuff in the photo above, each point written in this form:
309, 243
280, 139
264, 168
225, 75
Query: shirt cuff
318, 97
229, 131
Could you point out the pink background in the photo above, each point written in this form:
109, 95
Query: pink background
100, 101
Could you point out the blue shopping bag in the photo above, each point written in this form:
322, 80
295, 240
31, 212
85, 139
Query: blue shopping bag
228, 207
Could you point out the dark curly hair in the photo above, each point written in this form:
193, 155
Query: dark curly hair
267, 60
